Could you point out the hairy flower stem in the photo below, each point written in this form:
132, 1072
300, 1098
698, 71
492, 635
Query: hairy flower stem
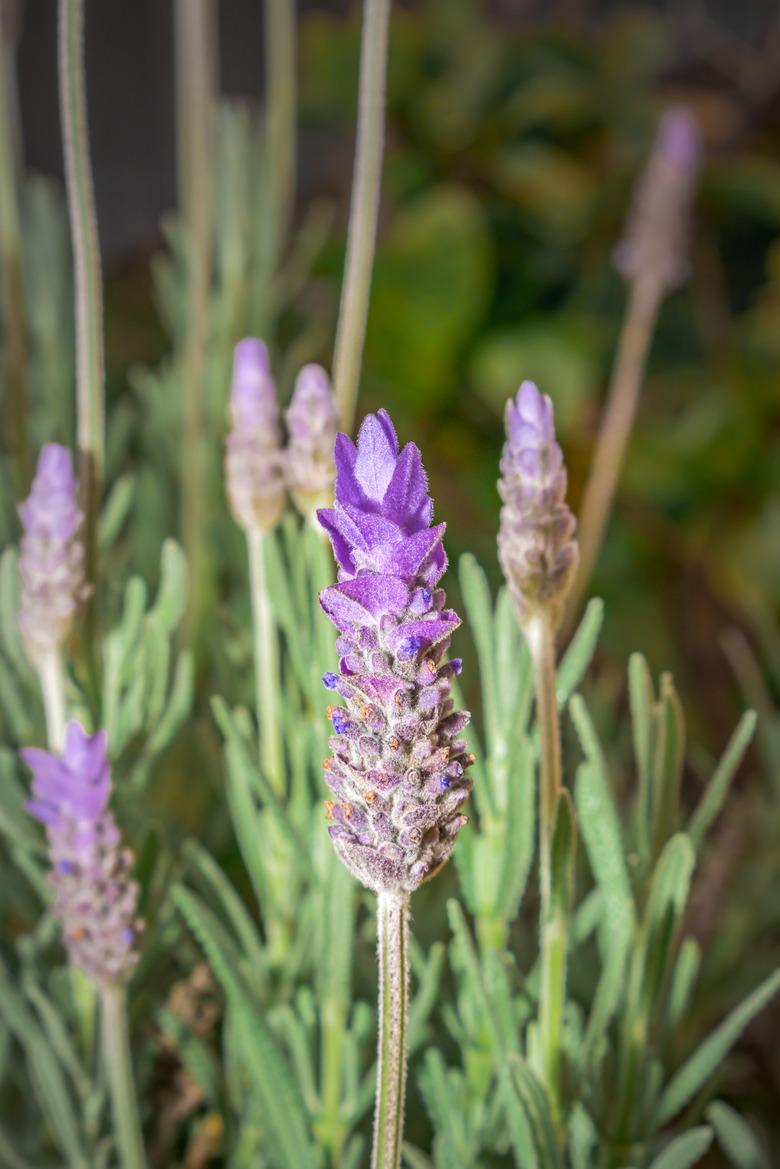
116, 1049
12, 283
392, 915
615, 430
540, 635
51, 675
90, 365
195, 24
267, 679
364, 209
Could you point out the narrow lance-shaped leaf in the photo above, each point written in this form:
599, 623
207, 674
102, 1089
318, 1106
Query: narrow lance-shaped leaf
709, 1056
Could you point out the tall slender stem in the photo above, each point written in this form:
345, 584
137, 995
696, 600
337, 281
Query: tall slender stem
615, 430
540, 635
364, 208
51, 675
392, 915
11, 279
196, 85
116, 1048
280, 72
90, 366
267, 681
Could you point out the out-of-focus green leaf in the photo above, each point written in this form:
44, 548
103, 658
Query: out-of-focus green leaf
736, 1137
685, 1150
709, 1056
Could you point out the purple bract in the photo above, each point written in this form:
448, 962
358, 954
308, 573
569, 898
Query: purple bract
253, 456
536, 544
51, 560
95, 899
398, 764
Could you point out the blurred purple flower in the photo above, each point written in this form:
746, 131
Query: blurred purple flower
398, 762
312, 422
536, 544
95, 899
253, 457
655, 242
51, 560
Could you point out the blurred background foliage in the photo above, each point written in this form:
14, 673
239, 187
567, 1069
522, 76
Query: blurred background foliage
514, 141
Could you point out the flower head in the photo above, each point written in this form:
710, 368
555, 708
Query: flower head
312, 422
655, 242
253, 457
398, 765
536, 544
51, 561
95, 899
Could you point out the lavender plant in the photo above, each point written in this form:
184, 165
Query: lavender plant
581, 1051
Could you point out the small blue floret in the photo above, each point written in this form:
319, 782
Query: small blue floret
329, 681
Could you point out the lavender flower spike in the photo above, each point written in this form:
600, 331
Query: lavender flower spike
656, 238
253, 457
398, 764
536, 544
51, 561
95, 899
312, 421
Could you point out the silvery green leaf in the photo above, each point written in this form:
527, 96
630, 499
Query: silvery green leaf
736, 1137
642, 699
667, 762
580, 652
116, 510
684, 1151
715, 794
707, 1059
665, 905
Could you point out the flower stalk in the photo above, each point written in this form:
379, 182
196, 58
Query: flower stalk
116, 1052
266, 653
392, 915
196, 70
11, 277
653, 258
90, 362
364, 209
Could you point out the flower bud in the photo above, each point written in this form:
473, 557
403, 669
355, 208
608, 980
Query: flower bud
253, 457
312, 422
536, 544
655, 243
51, 560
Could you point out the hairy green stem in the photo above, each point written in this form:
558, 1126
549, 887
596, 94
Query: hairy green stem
51, 675
364, 209
267, 680
196, 71
614, 433
90, 364
392, 915
116, 1049
12, 282
540, 635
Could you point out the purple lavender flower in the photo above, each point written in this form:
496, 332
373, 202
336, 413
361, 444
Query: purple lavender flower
398, 763
536, 544
312, 421
655, 242
95, 899
51, 561
253, 457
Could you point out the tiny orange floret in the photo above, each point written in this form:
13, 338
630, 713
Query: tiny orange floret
393, 744
329, 806
347, 810
369, 796
364, 711
326, 763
